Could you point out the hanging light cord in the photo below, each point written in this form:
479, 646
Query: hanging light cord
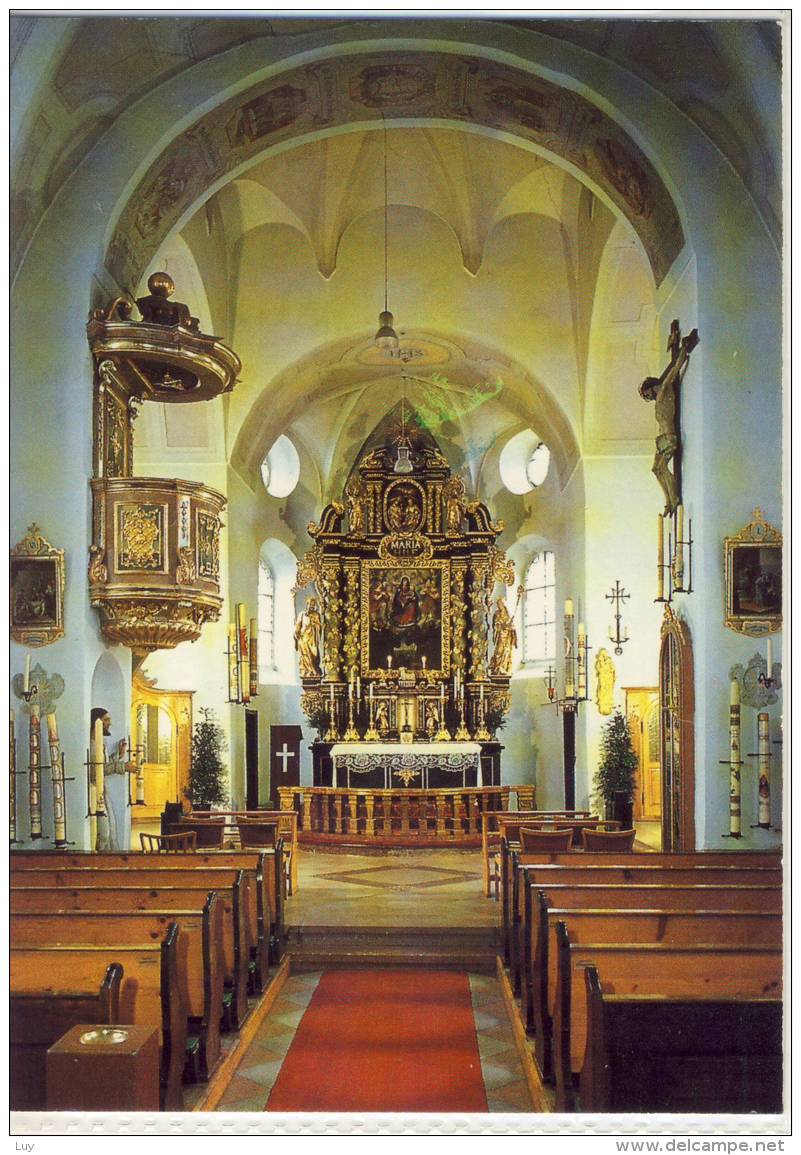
386, 217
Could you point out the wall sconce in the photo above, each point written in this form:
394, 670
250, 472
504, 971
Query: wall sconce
618, 596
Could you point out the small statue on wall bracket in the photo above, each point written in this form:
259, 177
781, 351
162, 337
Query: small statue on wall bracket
664, 391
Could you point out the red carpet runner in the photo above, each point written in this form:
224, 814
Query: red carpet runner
384, 1040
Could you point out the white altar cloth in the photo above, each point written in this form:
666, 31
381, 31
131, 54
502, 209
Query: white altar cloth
407, 761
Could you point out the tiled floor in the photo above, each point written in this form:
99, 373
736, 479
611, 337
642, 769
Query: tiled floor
502, 1072
402, 888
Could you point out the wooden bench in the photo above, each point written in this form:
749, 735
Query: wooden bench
533, 960
647, 969
690, 1054
491, 840
514, 864
200, 956
265, 866
163, 890
610, 874
669, 926
36, 1021
150, 991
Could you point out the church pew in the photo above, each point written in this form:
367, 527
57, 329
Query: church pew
150, 993
632, 858
37, 1021
647, 969
95, 891
266, 866
691, 1055
514, 861
533, 955
200, 956
606, 873
667, 925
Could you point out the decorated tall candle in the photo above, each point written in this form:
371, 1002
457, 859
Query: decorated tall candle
233, 664
57, 777
26, 681
12, 781
660, 559
763, 733
254, 657
34, 773
735, 820
98, 760
581, 661
244, 652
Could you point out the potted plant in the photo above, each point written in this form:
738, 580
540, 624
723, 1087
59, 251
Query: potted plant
207, 774
617, 770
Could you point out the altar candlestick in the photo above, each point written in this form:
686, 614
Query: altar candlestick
331, 688
763, 731
358, 688
372, 687
424, 661
34, 774
389, 662
26, 684
481, 694
734, 760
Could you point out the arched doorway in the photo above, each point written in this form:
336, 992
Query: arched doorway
677, 734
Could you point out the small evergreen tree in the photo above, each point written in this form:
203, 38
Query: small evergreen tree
207, 775
618, 766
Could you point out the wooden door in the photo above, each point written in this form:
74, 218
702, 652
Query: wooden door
642, 711
161, 733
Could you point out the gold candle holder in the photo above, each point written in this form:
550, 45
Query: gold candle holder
462, 734
351, 734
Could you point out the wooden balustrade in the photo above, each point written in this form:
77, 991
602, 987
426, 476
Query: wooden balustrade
404, 816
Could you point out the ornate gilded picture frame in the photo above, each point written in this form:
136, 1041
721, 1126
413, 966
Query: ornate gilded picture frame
753, 573
405, 616
37, 590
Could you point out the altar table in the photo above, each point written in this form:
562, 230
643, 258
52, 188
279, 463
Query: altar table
405, 764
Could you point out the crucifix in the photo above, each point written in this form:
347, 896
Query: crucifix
285, 755
664, 391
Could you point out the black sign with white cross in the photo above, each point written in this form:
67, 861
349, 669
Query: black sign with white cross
284, 756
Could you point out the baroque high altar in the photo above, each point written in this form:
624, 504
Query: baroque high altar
401, 643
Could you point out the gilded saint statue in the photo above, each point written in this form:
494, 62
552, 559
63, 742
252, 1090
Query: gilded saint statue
664, 391
308, 634
455, 505
356, 496
604, 682
504, 637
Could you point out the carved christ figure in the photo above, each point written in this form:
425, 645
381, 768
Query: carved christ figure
308, 633
356, 495
504, 636
664, 391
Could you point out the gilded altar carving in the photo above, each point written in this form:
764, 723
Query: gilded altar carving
140, 537
404, 588
329, 586
350, 645
148, 624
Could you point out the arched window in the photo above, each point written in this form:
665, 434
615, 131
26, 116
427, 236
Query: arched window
539, 609
266, 618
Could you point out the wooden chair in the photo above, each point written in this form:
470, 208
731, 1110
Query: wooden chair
168, 843
209, 832
613, 841
560, 839
256, 834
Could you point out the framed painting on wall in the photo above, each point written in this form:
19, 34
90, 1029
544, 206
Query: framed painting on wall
36, 590
405, 616
753, 573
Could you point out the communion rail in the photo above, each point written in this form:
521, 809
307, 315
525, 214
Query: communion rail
406, 816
